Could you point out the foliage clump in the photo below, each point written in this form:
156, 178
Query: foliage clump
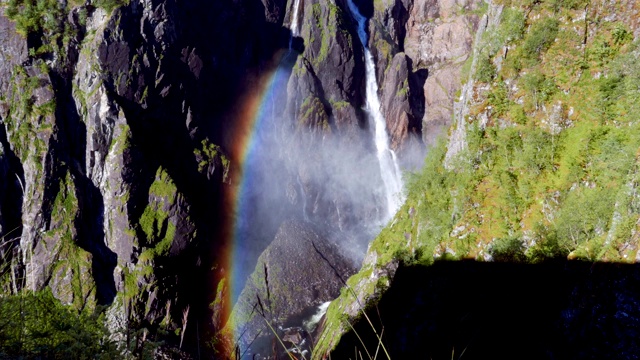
38, 326
46, 21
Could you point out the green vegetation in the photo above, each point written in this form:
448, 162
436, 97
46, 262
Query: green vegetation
313, 113
154, 222
72, 262
48, 20
37, 326
336, 26
35, 15
549, 172
539, 39
110, 5
212, 156
550, 167
510, 30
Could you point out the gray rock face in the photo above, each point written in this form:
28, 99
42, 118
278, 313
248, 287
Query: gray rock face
107, 166
436, 37
300, 269
13, 51
396, 103
440, 38
326, 87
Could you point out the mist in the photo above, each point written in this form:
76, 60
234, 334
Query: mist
329, 179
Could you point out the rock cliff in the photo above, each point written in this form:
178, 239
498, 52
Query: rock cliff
110, 175
299, 271
117, 136
115, 146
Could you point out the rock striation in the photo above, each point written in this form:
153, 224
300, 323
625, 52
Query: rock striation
109, 160
299, 271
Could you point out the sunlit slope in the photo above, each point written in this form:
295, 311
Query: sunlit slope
548, 166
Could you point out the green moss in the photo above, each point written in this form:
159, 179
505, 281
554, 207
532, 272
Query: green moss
163, 186
337, 105
122, 142
403, 90
145, 94
46, 19
329, 27
212, 155
313, 112
70, 259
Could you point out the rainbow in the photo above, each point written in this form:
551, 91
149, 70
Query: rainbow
251, 118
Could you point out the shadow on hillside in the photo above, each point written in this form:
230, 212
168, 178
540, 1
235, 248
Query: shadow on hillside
474, 310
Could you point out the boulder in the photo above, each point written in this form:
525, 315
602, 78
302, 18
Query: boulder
299, 271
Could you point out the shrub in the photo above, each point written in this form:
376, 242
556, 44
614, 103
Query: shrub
512, 25
584, 215
499, 100
36, 325
540, 87
109, 5
485, 71
541, 35
557, 5
508, 250
35, 15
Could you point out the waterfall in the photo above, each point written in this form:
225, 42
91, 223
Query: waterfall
295, 31
389, 168
294, 19
294, 24
303, 195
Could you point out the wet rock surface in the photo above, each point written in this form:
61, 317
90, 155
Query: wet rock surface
299, 271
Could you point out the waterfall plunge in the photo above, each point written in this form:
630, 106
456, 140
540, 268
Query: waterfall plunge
386, 157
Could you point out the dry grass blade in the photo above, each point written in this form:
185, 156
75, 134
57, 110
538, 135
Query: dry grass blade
264, 317
185, 319
357, 300
359, 338
364, 313
279, 340
375, 356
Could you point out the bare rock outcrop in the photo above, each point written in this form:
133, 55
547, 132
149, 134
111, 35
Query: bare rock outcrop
437, 37
299, 270
108, 162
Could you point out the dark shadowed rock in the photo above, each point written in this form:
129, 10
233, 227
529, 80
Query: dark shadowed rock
298, 271
108, 162
329, 74
4, 164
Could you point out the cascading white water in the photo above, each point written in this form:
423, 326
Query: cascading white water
389, 168
294, 19
303, 195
